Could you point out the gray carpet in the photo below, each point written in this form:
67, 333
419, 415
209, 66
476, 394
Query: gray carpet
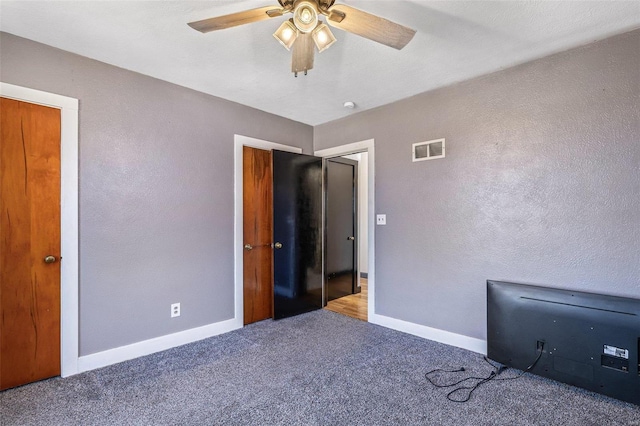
319, 368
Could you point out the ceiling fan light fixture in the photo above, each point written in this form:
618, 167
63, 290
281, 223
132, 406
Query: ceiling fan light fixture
286, 34
305, 16
323, 37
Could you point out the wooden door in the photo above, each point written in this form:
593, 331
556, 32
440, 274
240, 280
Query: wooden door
29, 232
257, 229
297, 234
341, 213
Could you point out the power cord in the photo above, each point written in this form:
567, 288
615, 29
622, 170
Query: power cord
493, 375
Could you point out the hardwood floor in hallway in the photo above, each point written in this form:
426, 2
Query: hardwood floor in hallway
354, 305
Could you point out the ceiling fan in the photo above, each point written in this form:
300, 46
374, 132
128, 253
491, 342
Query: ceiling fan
305, 28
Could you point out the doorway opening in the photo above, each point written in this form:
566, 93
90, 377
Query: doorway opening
346, 235
360, 304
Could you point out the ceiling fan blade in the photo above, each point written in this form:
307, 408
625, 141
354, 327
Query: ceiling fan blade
370, 26
234, 19
302, 54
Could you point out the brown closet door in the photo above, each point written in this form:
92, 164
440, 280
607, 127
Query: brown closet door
257, 229
29, 243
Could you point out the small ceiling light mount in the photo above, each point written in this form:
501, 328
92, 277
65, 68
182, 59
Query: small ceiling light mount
286, 34
323, 37
305, 16
349, 105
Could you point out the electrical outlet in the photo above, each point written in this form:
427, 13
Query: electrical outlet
381, 219
175, 310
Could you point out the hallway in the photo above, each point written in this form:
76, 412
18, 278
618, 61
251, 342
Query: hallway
354, 305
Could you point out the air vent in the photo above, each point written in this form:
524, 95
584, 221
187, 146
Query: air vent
429, 150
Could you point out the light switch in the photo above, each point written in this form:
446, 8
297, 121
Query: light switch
381, 219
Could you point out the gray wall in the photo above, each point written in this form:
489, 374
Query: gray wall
540, 184
156, 192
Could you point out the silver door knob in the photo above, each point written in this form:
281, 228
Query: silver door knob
278, 245
50, 259
351, 238
248, 247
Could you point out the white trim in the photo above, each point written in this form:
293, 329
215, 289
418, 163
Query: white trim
238, 142
435, 334
147, 347
69, 216
352, 148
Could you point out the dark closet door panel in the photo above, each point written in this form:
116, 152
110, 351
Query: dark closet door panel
342, 210
297, 232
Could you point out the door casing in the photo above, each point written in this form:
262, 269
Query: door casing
69, 216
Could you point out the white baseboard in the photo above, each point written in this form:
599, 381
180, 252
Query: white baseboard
148, 347
446, 337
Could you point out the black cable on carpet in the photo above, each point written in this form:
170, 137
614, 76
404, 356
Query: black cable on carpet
479, 380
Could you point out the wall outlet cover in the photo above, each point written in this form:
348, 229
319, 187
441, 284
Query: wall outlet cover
381, 219
175, 310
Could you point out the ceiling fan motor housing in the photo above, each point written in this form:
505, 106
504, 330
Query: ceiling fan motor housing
323, 5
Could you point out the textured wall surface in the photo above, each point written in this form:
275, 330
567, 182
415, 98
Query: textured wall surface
540, 184
156, 192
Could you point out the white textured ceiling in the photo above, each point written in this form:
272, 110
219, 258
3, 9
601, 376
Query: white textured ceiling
455, 41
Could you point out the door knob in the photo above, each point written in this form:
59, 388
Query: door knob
351, 238
278, 245
50, 259
248, 247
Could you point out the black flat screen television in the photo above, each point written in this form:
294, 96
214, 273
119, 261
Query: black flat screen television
587, 340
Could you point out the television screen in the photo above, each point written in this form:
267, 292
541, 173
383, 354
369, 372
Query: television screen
587, 340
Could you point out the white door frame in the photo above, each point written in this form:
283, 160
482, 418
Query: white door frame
238, 234
69, 308
353, 148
